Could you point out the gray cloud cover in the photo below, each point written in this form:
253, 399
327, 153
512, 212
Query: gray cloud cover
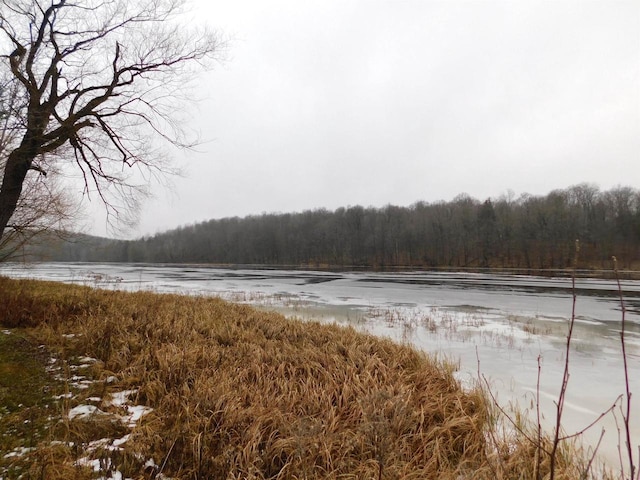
335, 103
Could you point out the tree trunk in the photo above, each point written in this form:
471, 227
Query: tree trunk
15, 173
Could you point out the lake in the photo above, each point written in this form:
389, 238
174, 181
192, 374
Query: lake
496, 324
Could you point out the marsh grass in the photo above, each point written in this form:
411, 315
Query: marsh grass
25, 392
237, 393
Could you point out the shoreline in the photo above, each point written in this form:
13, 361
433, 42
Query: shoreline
168, 377
566, 273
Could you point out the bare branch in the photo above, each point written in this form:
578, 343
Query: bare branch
98, 78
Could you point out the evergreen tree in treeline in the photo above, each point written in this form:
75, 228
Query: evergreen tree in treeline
528, 232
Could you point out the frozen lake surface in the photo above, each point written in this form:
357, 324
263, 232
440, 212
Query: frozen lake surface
497, 324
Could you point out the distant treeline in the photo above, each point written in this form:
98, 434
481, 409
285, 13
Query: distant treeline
527, 232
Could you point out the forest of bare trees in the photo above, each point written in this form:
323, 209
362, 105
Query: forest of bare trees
527, 232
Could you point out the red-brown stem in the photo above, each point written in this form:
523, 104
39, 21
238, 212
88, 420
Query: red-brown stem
627, 414
565, 376
538, 447
615, 419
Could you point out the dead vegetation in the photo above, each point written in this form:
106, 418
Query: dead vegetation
234, 393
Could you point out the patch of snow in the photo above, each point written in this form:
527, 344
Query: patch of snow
121, 398
75, 381
115, 475
58, 442
94, 464
87, 360
102, 443
150, 464
136, 412
84, 411
18, 452
108, 443
104, 464
121, 441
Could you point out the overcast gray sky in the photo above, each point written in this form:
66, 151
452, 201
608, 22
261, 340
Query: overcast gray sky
333, 103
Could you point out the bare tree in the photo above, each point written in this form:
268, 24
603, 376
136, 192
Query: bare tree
45, 210
93, 85
45, 206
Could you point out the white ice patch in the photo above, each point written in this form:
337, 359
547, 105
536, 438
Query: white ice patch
505, 330
586, 321
569, 405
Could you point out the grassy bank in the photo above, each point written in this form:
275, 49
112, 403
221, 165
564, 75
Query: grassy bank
165, 386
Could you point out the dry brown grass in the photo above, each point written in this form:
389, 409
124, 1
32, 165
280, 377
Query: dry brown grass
242, 394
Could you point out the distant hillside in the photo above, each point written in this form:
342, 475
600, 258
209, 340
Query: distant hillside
69, 247
524, 232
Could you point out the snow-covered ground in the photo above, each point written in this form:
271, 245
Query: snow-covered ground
115, 406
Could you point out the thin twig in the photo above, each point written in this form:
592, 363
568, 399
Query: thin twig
166, 458
565, 376
600, 417
491, 431
538, 456
625, 415
615, 419
511, 420
593, 456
